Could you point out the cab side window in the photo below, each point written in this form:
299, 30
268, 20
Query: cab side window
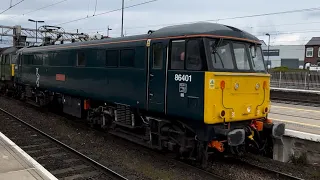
81, 59
127, 58
7, 59
157, 55
112, 58
194, 60
177, 54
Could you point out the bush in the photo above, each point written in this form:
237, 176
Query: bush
286, 69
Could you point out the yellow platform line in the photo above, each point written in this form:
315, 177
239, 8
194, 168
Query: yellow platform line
298, 109
293, 122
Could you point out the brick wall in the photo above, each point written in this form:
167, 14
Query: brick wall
315, 58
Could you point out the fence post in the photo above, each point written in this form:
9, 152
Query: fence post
309, 79
280, 80
305, 80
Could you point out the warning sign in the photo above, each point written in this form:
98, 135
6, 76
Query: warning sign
183, 88
211, 83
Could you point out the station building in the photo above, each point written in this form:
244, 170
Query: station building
291, 56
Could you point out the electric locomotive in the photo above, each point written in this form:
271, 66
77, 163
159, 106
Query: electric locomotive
193, 89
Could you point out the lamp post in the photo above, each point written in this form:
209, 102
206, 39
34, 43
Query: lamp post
31, 20
109, 29
268, 50
122, 18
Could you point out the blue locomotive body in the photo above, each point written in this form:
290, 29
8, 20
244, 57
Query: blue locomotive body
152, 88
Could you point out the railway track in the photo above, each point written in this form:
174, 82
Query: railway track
295, 101
291, 97
298, 116
31, 149
272, 174
277, 174
58, 158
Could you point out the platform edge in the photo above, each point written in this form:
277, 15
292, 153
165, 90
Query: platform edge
302, 135
28, 157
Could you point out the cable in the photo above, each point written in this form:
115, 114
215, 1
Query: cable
44, 7
11, 6
230, 18
315, 22
257, 15
258, 34
291, 24
127, 7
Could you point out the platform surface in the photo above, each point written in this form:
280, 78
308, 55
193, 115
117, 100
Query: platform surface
297, 117
16, 164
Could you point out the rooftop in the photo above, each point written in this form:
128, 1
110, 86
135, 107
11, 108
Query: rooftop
314, 41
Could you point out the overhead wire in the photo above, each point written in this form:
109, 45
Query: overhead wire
146, 2
231, 18
257, 15
107, 12
44, 7
11, 6
255, 34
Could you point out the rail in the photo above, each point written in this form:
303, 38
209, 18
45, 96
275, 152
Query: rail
295, 96
278, 174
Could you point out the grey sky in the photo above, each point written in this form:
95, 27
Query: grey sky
138, 19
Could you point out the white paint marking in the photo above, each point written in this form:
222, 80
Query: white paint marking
28, 158
296, 90
302, 135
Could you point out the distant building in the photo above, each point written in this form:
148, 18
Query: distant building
312, 51
291, 56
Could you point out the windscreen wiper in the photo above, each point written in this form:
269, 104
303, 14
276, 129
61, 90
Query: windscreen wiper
214, 52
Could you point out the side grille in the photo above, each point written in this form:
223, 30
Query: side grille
123, 115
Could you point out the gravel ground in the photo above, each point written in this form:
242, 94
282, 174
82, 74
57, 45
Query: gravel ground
305, 171
124, 157
129, 159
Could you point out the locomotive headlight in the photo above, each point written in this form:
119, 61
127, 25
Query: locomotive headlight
236, 86
248, 109
257, 86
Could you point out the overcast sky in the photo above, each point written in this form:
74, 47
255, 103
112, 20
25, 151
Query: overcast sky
294, 28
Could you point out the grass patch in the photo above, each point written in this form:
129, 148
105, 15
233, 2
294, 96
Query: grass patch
300, 160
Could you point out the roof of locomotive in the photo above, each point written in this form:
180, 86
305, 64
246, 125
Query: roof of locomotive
9, 50
203, 28
194, 29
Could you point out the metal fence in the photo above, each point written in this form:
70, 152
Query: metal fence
296, 80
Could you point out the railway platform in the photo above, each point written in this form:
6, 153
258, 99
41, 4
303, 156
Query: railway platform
297, 117
16, 164
302, 135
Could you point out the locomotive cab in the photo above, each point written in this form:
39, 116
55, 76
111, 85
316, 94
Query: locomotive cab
237, 95
237, 84
7, 63
223, 85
